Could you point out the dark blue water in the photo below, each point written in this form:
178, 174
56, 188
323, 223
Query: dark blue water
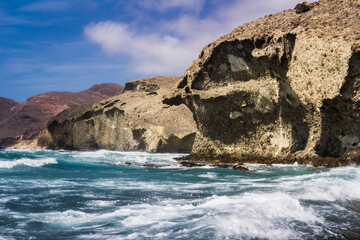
88, 195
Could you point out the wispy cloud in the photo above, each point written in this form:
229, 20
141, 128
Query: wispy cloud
47, 6
5, 19
10, 20
172, 48
150, 53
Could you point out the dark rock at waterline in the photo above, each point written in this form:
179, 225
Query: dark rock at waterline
151, 165
352, 155
191, 164
228, 161
235, 166
240, 168
282, 89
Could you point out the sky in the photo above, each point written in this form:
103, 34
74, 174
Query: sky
69, 45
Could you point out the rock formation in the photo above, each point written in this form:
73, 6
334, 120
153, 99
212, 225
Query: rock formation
136, 120
283, 88
23, 124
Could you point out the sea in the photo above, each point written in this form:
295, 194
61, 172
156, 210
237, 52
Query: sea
110, 195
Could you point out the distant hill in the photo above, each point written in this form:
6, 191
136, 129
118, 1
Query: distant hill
25, 121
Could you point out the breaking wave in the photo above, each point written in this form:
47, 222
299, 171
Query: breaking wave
27, 162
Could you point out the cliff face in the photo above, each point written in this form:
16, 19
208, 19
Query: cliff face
285, 86
21, 124
136, 120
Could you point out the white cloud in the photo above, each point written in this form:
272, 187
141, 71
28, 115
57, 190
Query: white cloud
172, 49
150, 53
46, 6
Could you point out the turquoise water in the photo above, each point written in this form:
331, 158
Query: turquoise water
88, 195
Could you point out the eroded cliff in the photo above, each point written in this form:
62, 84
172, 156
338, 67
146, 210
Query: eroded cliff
23, 125
284, 87
136, 120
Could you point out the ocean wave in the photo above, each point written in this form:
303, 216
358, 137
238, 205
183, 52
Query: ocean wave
333, 185
27, 162
6, 238
253, 215
116, 158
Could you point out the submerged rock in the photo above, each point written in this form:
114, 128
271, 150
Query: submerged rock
191, 164
240, 168
284, 88
136, 120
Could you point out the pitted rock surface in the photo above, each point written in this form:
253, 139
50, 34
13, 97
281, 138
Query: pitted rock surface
285, 86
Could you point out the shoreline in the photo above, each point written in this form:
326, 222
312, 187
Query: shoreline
235, 162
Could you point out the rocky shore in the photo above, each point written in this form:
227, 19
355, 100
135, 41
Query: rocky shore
284, 89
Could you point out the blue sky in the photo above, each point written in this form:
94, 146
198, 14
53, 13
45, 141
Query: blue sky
69, 45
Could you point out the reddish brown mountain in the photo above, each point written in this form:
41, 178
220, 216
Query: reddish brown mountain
25, 121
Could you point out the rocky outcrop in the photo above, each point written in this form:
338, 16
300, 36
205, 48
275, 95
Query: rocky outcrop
23, 124
136, 120
283, 88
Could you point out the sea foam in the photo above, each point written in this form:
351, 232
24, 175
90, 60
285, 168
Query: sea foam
27, 162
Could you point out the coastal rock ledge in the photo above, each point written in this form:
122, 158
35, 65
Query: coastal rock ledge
136, 120
281, 89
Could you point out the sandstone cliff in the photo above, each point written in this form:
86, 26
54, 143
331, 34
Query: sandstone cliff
284, 87
23, 124
136, 120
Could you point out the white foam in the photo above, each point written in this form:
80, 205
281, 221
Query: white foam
101, 203
4, 199
209, 175
335, 184
93, 154
327, 189
121, 158
27, 162
251, 215
6, 238
258, 215
69, 217
22, 150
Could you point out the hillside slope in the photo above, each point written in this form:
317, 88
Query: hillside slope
25, 121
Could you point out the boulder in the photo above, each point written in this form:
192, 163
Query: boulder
283, 88
136, 120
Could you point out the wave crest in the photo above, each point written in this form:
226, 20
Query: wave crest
27, 162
